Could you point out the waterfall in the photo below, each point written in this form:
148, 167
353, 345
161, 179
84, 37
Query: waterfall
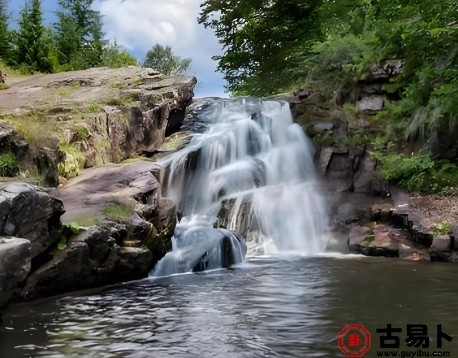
249, 170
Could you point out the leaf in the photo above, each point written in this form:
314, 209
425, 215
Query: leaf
62, 244
74, 227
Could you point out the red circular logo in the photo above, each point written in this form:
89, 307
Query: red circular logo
354, 340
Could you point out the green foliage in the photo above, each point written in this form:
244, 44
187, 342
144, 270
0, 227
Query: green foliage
442, 228
95, 107
264, 41
79, 36
162, 59
75, 42
70, 228
419, 173
117, 211
80, 133
4, 33
31, 46
73, 162
9, 166
115, 56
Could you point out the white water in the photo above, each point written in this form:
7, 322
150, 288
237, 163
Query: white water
254, 154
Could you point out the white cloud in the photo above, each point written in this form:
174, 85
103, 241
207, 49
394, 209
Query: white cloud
139, 24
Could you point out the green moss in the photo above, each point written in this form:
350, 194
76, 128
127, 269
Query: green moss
73, 162
9, 166
117, 211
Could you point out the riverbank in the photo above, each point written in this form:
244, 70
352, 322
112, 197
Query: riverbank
105, 223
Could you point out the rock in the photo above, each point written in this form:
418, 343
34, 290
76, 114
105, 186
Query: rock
442, 243
133, 263
374, 104
324, 157
386, 70
98, 115
365, 175
95, 188
68, 270
92, 258
358, 234
15, 264
319, 128
29, 212
383, 240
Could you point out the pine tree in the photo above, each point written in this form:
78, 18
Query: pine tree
79, 35
30, 47
4, 33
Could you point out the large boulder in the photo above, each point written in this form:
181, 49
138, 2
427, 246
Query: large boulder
92, 258
29, 212
15, 263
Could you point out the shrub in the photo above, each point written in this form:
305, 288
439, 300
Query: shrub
419, 173
442, 228
9, 165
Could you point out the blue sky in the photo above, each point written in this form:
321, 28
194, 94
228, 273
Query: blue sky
139, 24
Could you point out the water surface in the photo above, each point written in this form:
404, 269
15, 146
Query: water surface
268, 307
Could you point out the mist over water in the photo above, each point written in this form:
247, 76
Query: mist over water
252, 159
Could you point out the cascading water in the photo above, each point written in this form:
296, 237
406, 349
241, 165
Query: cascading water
251, 170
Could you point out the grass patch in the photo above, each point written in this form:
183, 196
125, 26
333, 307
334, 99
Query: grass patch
115, 85
84, 220
118, 211
4, 86
9, 166
95, 107
80, 133
114, 102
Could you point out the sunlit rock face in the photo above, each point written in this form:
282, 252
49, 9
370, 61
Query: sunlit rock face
250, 171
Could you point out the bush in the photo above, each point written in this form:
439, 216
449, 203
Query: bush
442, 228
419, 173
9, 166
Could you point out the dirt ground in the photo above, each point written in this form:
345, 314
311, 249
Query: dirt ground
436, 208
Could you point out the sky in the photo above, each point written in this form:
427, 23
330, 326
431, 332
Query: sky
139, 24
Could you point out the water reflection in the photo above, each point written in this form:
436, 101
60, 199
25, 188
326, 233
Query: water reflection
269, 308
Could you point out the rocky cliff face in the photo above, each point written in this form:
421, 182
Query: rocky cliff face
358, 198
108, 223
61, 123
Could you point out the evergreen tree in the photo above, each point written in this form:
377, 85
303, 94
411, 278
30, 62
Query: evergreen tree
79, 35
30, 46
4, 34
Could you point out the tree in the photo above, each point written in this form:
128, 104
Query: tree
116, 56
162, 59
30, 46
263, 40
4, 33
79, 35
